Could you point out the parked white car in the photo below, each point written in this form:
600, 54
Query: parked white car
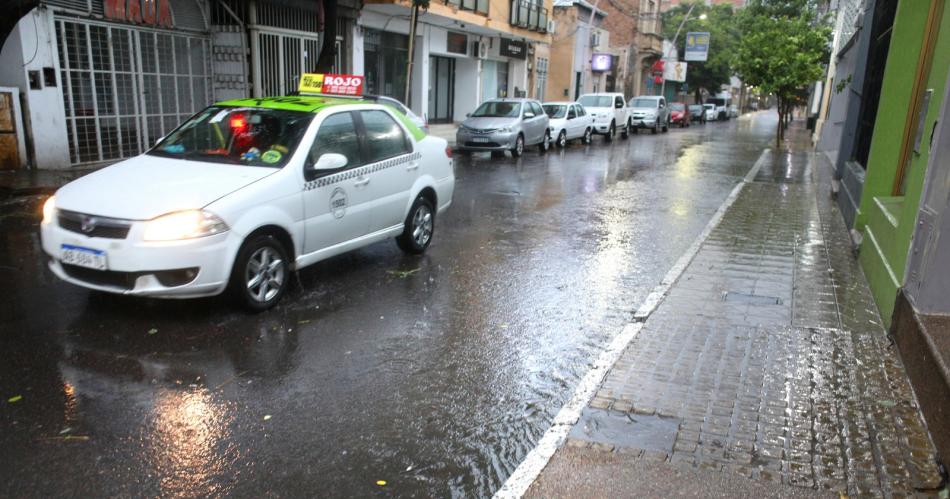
650, 112
246, 192
568, 121
413, 117
610, 113
500, 125
712, 114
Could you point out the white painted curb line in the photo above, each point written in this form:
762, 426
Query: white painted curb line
530, 468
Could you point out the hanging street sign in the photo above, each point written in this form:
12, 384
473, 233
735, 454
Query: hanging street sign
674, 71
697, 46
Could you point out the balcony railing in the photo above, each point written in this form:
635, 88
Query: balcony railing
479, 6
528, 15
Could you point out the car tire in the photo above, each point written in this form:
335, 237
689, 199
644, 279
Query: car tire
610, 132
418, 228
656, 128
545, 143
588, 136
518, 150
561, 139
253, 286
666, 127
626, 131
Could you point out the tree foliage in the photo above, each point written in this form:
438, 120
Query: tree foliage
782, 48
720, 23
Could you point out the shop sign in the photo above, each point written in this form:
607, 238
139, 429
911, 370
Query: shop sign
149, 12
513, 49
674, 71
601, 62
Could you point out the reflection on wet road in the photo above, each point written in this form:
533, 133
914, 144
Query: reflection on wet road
436, 374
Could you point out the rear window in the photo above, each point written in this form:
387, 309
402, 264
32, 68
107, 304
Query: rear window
597, 101
716, 101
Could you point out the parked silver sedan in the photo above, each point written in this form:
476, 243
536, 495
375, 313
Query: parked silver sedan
500, 125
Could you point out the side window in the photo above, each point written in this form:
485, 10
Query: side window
337, 134
384, 137
581, 111
571, 114
537, 108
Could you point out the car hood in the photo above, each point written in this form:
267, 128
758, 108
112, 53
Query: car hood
599, 110
145, 187
489, 123
643, 110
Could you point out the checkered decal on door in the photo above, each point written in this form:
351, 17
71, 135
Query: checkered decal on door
363, 170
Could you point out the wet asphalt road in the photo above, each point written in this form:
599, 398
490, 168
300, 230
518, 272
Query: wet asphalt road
436, 374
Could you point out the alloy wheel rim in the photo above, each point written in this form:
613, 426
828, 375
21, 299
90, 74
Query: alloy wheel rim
422, 225
520, 145
562, 139
265, 274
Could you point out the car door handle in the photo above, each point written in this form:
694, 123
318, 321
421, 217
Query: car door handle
361, 183
412, 166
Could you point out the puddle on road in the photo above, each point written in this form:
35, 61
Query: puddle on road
621, 429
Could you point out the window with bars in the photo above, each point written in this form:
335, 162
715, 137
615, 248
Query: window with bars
124, 88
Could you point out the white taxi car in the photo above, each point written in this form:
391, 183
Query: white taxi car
244, 193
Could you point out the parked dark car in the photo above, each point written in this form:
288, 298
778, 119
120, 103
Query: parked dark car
697, 113
679, 114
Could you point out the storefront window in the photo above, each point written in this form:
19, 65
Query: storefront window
386, 56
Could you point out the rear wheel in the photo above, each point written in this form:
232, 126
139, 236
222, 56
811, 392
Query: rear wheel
588, 136
418, 227
260, 274
562, 139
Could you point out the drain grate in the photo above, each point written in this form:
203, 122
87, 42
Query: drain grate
732, 296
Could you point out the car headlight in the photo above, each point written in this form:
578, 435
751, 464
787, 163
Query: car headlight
49, 210
187, 224
504, 129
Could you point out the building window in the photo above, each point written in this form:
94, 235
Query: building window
480, 6
456, 43
540, 78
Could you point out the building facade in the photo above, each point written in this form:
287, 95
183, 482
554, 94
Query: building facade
583, 58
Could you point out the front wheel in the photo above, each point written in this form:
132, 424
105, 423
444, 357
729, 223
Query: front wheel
626, 131
562, 139
518, 150
610, 132
418, 227
260, 274
666, 127
545, 143
588, 136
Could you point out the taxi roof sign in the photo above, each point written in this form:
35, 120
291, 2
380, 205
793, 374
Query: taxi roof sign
331, 84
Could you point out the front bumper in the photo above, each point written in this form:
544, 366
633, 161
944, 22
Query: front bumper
643, 122
493, 141
173, 269
602, 125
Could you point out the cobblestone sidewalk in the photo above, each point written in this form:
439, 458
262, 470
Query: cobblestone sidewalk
767, 358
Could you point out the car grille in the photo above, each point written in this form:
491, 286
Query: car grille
124, 280
108, 228
476, 131
482, 144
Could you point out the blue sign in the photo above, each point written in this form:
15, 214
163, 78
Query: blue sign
697, 46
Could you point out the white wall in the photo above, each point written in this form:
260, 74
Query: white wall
32, 46
467, 86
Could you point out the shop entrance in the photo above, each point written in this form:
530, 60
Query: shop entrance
441, 89
385, 58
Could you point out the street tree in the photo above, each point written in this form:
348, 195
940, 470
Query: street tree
781, 50
720, 23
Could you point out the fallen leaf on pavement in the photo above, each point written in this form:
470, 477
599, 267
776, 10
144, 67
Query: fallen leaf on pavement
15, 398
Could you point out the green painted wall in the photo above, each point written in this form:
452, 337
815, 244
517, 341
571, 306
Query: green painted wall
888, 221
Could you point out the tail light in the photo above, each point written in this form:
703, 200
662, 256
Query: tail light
448, 151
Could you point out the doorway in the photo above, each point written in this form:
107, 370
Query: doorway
441, 89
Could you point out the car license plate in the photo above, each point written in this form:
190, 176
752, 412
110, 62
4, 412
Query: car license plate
480, 139
83, 257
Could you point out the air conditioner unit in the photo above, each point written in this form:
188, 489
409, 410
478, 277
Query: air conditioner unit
595, 39
551, 26
481, 49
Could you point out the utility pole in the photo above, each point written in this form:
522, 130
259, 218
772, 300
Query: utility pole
413, 21
673, 44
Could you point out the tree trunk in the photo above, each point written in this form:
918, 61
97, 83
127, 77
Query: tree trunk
699, 96
328, 50
781, 119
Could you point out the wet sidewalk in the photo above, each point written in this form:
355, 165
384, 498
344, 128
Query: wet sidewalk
765, 371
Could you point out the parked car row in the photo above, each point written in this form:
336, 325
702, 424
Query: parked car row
500, 125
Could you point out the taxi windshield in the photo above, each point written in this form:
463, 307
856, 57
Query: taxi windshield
237, 135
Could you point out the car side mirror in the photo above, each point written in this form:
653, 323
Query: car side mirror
618, 105
330, 161
468, 115
529, 115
